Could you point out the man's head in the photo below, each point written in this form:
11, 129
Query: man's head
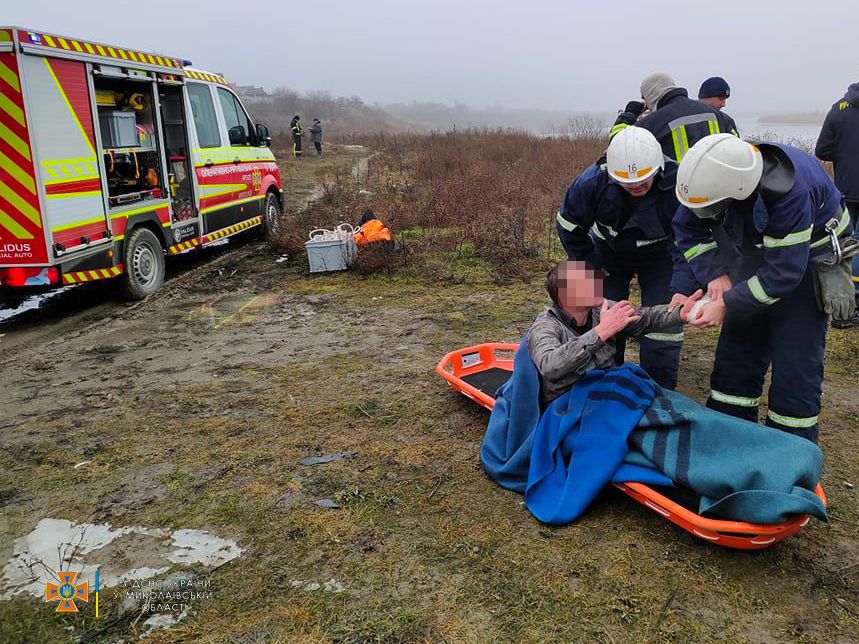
718, 170
633, 159
575, 286
296, 117
714, 92
316, 120
654, 87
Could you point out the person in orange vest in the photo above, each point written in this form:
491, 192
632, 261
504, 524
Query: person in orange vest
371, 229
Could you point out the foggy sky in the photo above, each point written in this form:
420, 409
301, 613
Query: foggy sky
777, 56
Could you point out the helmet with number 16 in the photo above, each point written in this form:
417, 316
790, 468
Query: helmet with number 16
634, 155
718, 169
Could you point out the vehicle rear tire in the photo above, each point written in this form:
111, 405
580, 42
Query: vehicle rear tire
143, 264
270, 217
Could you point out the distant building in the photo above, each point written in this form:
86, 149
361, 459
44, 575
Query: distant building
251, 94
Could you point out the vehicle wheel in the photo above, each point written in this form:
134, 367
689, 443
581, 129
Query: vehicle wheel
144, 264
270, 217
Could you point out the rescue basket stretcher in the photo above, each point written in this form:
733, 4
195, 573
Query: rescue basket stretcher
478, 371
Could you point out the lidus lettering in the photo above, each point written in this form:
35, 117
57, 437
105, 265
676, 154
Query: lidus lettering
15, 248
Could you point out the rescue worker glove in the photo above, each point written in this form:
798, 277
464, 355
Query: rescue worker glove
635, 108
833, 285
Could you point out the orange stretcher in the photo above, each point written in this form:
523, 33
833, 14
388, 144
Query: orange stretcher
478, 371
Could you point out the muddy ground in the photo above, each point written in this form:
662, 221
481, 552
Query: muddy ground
193, 408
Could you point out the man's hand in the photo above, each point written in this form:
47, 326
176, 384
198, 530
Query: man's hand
615, 319
635, 108
716, 289
689, 304
712, 314
678, 299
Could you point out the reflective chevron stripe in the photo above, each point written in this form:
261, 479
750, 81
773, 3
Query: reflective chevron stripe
77, 277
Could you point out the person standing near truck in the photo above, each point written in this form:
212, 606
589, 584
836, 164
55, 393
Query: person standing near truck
295, 127
316, 135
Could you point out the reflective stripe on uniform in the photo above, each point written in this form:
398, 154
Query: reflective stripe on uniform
758, 291
566, 225
792, 421
665, 337
647, 242
792, 239
842, 226
730, 399
617, 128
697, 250
596, 231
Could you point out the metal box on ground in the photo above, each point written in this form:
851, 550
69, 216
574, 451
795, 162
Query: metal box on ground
331, 250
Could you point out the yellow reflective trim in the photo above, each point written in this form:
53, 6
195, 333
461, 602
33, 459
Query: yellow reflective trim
19, 204
18, 173
69, 106
122, 54
166, 224
77, 45
842, 226
14, 227
137, 211
566, 225
678, 153
10, 77
730, 399
67, 195
226, 188
69, 277
758, 291
799, 237
665, 337
63, 43
792, 421
89, 48
231, 203
77, 224
11, 109
684, 140
101, 50
697, 250
132, 56
50, 41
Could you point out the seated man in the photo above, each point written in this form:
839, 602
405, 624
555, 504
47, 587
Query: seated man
568, 421
578, 333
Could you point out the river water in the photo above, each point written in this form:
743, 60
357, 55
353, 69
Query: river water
750, 128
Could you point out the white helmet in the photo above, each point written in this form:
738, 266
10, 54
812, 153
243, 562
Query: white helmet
716, 168
634, 155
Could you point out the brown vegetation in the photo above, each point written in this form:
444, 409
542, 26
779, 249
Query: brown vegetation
488, 197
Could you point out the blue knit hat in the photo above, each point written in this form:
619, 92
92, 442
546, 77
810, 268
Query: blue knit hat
715, 86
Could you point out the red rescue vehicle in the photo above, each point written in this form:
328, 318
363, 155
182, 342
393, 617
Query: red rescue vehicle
112, 158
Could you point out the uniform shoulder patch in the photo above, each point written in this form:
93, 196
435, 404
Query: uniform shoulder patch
843, 104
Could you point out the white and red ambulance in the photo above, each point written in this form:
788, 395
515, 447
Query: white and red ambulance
112, 158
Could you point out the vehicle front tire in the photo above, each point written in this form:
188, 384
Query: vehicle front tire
270, 217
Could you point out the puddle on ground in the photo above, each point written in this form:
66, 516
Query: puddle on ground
119, 554
32, 303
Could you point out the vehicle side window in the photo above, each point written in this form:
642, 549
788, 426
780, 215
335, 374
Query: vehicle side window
203, 110
235, 117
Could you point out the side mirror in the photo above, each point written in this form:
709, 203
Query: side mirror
238, 135
263, 135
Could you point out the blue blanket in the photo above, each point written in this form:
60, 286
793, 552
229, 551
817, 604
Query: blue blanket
620, 426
